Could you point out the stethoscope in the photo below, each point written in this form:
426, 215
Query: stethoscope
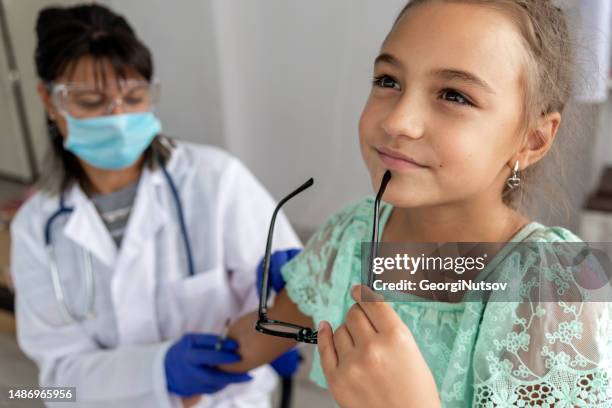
88, 268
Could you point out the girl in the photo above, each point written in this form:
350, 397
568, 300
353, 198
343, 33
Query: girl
466, 101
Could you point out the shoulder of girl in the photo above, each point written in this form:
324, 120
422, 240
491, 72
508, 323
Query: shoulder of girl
543, 233
357, 211
335, 225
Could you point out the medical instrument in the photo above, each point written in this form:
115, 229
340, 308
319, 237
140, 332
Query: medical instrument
223, 335
88, 268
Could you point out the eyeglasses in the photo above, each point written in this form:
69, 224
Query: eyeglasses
274, 327
290, 330
375, 225
86, 101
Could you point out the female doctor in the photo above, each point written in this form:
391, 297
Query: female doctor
137, 250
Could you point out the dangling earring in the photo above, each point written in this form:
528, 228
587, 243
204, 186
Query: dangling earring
514, 181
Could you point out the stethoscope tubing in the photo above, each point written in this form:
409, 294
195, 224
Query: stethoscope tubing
88, 263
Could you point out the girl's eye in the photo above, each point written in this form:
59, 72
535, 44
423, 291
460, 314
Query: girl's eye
385, 81
455, 97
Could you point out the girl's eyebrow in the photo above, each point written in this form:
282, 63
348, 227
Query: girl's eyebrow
445, 73
463, 76
389, 59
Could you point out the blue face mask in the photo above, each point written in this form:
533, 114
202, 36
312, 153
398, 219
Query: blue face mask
111, 142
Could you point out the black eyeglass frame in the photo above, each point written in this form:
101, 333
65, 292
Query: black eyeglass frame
301, 333
375, 225
306, 334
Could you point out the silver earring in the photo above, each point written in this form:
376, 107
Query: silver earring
514, 181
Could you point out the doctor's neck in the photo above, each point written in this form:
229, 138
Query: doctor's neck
102, 181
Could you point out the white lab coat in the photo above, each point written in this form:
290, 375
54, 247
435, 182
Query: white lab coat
144, 299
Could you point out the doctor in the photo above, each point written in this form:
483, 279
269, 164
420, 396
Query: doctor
137, 250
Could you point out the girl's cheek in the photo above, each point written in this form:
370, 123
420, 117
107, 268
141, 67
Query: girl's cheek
367, 121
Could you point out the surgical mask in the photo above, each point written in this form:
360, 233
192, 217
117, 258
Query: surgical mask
111, 142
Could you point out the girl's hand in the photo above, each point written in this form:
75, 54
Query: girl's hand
372, 360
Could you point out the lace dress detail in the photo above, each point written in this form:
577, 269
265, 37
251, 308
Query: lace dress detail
498, 354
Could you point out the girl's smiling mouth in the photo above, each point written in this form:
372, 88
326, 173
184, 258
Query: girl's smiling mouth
397, 161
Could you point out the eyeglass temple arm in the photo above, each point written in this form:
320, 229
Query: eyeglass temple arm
263, 300
374, 244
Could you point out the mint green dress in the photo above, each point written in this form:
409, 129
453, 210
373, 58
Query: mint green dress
495, 354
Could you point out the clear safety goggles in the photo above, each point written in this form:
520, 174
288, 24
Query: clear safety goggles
87, 101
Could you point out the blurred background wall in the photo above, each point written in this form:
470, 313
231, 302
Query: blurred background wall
278, 83
281, 85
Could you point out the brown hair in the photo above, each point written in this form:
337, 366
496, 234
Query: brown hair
547, 80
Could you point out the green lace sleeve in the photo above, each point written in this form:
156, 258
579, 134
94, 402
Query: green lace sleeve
553, 351
309, 278
319, 279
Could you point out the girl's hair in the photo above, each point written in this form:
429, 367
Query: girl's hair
547, 80
64, 36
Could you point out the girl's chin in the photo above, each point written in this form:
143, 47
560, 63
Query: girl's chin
402, 202
402, 197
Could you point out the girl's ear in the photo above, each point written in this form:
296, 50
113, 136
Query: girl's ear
538, 141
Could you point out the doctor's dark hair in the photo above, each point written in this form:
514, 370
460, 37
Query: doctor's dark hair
547, 82
64, 36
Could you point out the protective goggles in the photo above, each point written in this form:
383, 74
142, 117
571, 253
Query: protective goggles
86, 101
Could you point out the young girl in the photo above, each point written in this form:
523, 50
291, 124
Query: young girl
467, 95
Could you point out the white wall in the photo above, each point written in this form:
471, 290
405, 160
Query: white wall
21, 19
182, 39
279, 83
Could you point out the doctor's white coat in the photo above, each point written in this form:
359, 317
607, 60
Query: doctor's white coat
144, 298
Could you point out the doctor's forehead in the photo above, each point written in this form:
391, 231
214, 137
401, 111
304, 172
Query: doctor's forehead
98, 73
439, 38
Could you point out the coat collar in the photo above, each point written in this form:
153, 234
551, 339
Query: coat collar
86, 228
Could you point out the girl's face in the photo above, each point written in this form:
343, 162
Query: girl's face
445, 107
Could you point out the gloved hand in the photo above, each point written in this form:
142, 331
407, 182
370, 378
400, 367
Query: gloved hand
277, 260
190, 365
287, 364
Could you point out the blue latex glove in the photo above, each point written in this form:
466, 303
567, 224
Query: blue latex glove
287, 364
190, 365
277, 260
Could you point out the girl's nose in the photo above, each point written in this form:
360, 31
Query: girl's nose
405, 119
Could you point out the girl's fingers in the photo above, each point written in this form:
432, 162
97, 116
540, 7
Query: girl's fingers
358, 324
327, 351
380, 313
343, 341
